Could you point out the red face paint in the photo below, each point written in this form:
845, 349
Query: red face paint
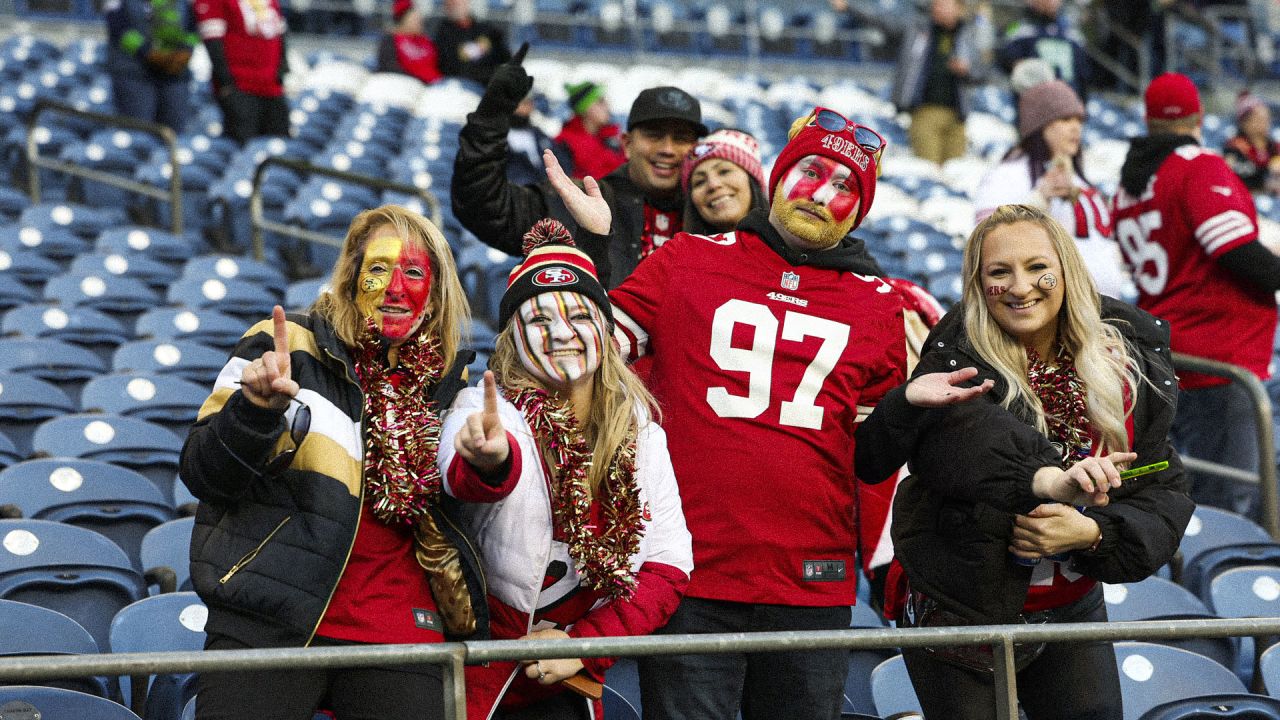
825, 182
997, 290
394, 286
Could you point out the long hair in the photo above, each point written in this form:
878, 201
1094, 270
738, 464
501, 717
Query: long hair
1036, 149
620, 403
450, 309
696, 224
1103, 362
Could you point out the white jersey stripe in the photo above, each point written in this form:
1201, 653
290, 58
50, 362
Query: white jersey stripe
632, 338
1224, 238
864, 411
1222, 224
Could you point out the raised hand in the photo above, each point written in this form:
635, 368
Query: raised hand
585, 204
1085, 483
508, 86
1051, 529
482, 440
941, 389
268, 381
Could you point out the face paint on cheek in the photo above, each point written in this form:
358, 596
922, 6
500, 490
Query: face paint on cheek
394, 286
1047, 281
554, 342
997, 290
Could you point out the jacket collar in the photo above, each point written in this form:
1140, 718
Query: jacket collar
850, 255
621, 182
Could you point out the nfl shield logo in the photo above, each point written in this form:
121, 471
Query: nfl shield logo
790, 280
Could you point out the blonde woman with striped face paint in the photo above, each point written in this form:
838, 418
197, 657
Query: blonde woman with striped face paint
568, 486
315, 463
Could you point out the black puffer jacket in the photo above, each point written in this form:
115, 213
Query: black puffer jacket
266, 553
972, 466
500, 212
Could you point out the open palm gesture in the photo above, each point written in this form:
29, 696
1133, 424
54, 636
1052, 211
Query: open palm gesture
585, 204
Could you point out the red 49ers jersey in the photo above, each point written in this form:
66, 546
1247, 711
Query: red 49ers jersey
252, 32
1193, 210
762, 369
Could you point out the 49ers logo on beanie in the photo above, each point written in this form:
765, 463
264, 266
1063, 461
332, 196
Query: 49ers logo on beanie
808, 137
552, 263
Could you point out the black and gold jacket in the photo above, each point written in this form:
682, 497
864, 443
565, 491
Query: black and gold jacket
267, 552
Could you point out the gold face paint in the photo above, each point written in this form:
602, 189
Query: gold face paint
394, 286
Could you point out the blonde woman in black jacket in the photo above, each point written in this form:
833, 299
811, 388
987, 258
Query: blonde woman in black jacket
1051, 391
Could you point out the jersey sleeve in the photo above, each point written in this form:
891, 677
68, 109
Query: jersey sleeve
637, 300
211, 19
891, 371
1219, 207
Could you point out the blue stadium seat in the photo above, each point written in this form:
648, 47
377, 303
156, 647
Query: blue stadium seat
622, 681
143, 446
243, 299
8, 453
167, 547
185, 358
1221, 706
63, 364
134, 240
892, 690
54, 243
227, 267
858, 695
69, 569
33, 630
1153, 674
114, 501
84, 326
14, 293
25, 402
162, 623
1212, 527
118, 296
156, 274
1199, 575
166, 400
47, 702
81, 220
12, 203
1158, 599
303, 293
207, 327
28, 267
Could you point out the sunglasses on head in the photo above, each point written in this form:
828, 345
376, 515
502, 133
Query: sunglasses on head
869, 140
298, 430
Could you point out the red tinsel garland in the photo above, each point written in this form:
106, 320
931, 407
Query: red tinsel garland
402, 426
603, 561
1063, 397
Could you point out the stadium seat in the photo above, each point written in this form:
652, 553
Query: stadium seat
1212, 527
33, 630
63, 364
303, 293
80, 325
14, 293
28, 701
54, 243
167, 547
166, 400
1153, 674
116, 502
623, 681
858, 695
1222, 706
28, 267
225, 267
207, 327
8, 453
162, 623
617, 706
130, 442
891, 688
25, 402
69, 569
184, 358
81, 220
1158, 599
242, 299
121, 297
156, 274
1199, 575
153, 243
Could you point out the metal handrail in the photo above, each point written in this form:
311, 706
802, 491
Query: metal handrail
452, 656
1269, 510
164, 132
259, 223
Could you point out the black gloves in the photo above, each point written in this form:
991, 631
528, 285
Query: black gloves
508, 86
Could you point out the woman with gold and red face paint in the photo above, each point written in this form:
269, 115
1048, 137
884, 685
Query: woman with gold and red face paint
568, 484
315, 463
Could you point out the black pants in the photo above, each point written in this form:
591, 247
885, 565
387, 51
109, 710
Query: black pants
246, 116
377, 693
1069, 681
565, 706
801, 685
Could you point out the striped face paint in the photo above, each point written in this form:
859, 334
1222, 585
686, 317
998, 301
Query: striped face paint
817, 201
559, 337
394, 286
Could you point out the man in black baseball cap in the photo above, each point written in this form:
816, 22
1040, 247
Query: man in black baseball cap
644, 193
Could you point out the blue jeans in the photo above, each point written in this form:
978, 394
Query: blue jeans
1217, 424
147, 96
801, 685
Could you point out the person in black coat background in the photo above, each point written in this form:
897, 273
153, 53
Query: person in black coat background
1051, 390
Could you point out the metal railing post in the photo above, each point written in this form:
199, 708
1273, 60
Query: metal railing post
1006, 679
165, 133
454, 683
1269, 505
258, 221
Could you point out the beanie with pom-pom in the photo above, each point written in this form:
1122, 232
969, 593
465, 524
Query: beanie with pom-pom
552, 264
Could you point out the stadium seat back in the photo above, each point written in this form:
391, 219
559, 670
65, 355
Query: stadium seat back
33, 630
1153, 674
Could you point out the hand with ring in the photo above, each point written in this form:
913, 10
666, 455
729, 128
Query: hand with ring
550, 672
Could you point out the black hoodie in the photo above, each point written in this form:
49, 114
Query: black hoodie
1251, 262
849, 255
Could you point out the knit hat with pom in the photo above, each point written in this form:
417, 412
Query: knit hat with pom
552, 264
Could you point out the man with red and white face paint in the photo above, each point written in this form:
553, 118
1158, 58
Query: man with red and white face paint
559, 337
394, 286
774, 336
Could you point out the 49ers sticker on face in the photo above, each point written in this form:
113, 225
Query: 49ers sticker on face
394, 286
559, 337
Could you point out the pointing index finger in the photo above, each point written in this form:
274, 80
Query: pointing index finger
280, 331
518, 57
490, 394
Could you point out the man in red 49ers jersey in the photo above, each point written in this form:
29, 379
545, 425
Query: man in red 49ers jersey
1189, 231
245, 41
768, 345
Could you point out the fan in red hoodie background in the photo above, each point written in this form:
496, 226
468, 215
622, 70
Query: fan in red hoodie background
591, 136
406, 49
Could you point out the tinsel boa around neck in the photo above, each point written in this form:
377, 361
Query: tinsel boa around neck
402, 425
602, 559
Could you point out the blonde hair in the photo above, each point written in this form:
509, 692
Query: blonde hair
620, 403
450, 311
1103, 362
